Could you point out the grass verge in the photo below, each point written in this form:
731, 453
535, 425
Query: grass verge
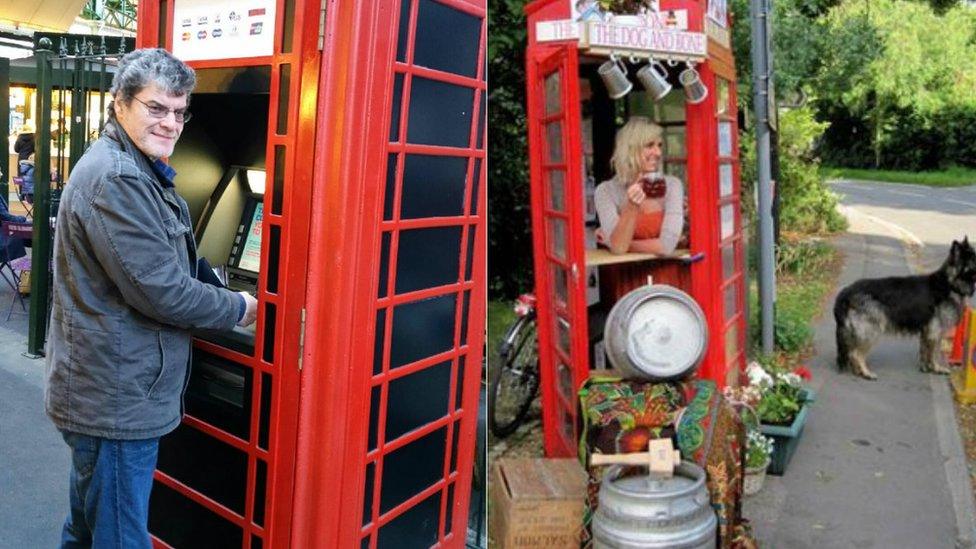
802, 285
952, 177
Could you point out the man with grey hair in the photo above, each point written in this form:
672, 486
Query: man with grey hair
124, 301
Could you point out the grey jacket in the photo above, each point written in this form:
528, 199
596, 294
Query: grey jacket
125, 298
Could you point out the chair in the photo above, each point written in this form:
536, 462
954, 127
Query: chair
24, 182
14, 259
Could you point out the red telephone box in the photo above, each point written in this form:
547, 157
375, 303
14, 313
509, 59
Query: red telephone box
572, 122
335, 166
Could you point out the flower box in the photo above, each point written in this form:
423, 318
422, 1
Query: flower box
787, 437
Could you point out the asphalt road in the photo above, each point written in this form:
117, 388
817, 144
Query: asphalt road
927, 217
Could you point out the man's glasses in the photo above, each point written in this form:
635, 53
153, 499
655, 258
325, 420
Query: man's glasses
158, 111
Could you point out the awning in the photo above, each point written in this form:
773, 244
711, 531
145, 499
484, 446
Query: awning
56, 15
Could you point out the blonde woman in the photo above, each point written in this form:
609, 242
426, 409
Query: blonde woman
640, 208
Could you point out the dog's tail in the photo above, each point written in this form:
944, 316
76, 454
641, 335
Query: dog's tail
841, 307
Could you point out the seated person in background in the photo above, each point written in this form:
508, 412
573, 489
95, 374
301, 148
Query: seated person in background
26, 169
10, 248
640, 209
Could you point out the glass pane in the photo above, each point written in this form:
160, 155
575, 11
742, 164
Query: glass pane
725, 138
374, 416
553, 96
566, 426
422, 328
368, 494
427, 258
731, 343
557, 237
270, 321
725, 180
219, 393
410, 469
728, 221
560, 285
722, 101
205, 464
403, 30
728, 261
674, 141
677, 169
439, 113
447, 39
731, 300
260, 488
562, 334
557, 190
378, 341
565, 381
383, 277
182, 522
416, 527
395, 110
554, 141
433, 186
264, 419
417, 399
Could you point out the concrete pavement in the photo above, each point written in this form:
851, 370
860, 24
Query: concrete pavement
880, 464
34, 461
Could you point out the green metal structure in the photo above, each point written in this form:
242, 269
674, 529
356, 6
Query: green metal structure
80, 73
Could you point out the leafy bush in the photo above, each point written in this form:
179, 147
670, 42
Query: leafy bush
806, 204
509, 225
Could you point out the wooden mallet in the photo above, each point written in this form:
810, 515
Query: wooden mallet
660, 458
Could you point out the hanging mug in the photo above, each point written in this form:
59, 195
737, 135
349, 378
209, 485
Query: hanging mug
654, 77
614, 75
695, 90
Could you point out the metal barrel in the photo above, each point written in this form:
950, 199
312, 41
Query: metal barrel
643, 512
657, 333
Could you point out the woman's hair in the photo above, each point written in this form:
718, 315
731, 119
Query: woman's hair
628, 145
140, 68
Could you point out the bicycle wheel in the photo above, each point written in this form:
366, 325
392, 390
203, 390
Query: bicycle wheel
516, 379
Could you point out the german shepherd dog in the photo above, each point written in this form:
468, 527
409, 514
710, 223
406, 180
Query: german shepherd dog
924, 305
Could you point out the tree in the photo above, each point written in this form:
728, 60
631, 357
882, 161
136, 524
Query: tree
509, 227
890, 56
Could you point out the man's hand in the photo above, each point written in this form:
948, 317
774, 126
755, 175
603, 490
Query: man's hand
250, 309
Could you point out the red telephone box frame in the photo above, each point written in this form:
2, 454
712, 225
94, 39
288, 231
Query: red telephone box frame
339, 71
715, 280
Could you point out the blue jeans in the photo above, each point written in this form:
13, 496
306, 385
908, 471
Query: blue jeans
109, 492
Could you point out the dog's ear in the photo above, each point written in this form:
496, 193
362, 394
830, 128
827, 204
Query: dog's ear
965, 241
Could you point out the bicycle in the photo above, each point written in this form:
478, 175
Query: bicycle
515, 382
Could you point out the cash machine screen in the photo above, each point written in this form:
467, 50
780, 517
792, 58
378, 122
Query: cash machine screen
244, 262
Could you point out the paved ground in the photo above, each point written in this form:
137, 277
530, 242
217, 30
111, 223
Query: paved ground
34, 461
880, 463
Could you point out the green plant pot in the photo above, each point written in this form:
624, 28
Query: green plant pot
786, 438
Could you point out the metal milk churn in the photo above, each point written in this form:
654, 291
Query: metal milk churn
657, 333
655, 512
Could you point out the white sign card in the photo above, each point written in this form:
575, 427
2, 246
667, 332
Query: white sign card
718, 11
644, 39
223, 29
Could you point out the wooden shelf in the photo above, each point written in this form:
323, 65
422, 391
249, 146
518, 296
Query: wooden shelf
602, 256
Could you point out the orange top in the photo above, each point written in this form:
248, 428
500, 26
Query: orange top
648, 225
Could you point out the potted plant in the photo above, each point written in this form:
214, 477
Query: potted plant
782, 408
759, 449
